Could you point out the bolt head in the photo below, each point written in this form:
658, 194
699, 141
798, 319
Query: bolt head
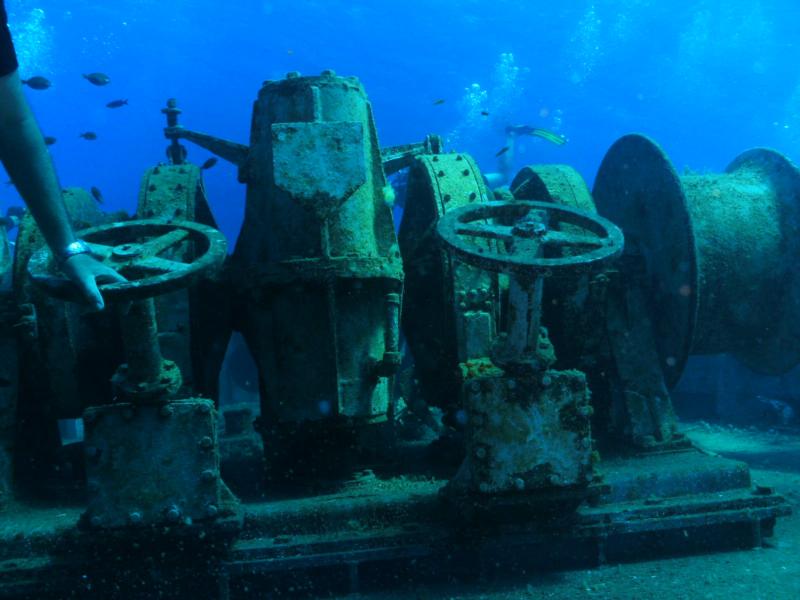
173, 513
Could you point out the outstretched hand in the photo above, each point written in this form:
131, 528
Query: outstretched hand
86, 272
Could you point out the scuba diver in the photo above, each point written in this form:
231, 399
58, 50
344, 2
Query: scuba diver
24, 154
505, 156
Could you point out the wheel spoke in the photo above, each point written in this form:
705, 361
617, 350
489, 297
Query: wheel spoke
485, 230
561, 238
102, 251
155, 264
159, 244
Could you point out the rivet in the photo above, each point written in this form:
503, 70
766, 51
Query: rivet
152, 187
511, 384
547, 380
165, 411
472, 196
465, 172
475, 386
329, 73
435, 159
554, 479
173, 514
204, 408
447, 197
480, 452
208, 475
135, 517
519, 483
156, 170
440, 174
206, 442
96, 521
459, 157
292, 75
211, 510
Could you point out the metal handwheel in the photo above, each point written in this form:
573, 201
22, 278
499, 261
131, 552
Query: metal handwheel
132, 248
523, 230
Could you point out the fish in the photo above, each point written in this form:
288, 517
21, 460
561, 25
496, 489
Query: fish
117, 103
97, 78
439, 101
209, 163
503, 150
49, 140
97, 195
485, 113
558, 140
550, 136
37, 83
88, 135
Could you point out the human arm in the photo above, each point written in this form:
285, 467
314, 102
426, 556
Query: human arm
26, 159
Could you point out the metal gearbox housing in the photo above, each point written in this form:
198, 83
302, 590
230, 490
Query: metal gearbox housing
80, 350
450, 311
152, 465
514, 419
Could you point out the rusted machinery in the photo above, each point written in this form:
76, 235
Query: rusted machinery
702, 252
152, 458
528, 425
317, 270
523, 318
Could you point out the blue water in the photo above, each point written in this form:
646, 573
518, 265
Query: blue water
707, 79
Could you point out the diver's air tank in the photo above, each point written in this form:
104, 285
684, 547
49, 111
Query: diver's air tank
318, 260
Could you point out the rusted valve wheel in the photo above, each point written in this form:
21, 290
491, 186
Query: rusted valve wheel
525, 233
132, 248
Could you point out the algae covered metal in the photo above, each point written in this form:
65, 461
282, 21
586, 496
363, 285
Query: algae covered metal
316, 267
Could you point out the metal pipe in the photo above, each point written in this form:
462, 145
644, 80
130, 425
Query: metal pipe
140, 337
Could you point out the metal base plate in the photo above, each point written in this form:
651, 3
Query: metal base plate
380, 528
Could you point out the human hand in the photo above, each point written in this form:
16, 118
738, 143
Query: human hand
86, 272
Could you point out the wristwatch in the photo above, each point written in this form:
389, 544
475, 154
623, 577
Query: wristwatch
70, 250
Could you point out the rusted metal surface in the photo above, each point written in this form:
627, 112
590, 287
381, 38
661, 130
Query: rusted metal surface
449, 310
552, 183
66, 356
516, 245
193, 324
9, 375
134, 249
317, 256
638, 189
152, 465
396, 158
712, 247
526, 434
